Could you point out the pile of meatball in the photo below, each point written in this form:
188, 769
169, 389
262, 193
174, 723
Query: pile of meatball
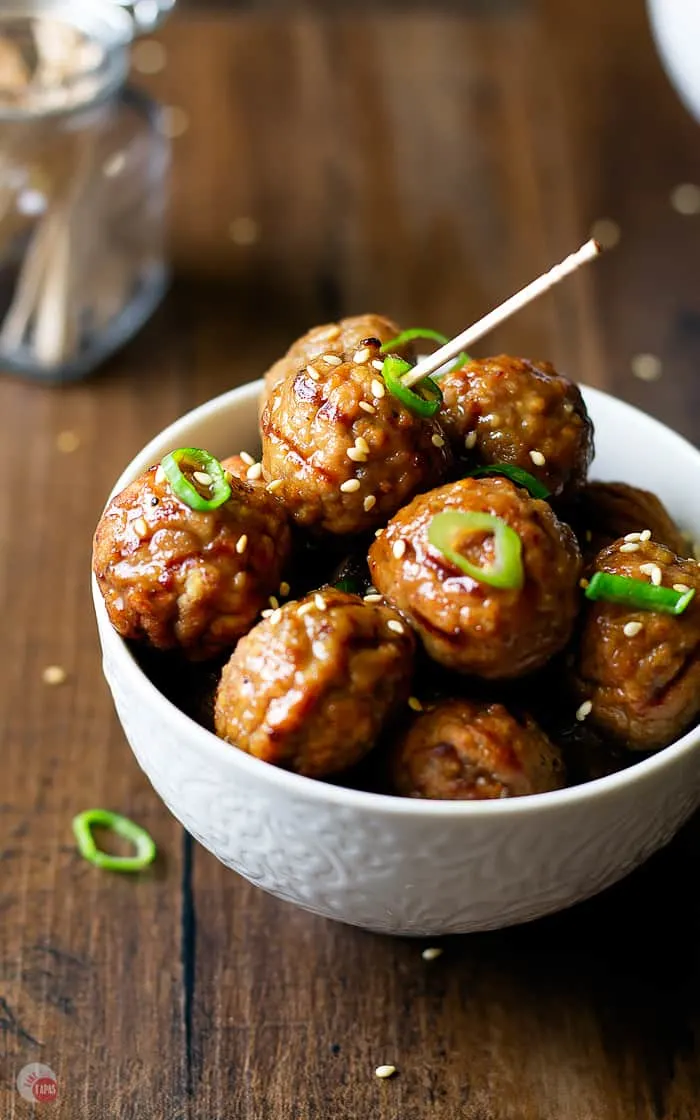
310, 621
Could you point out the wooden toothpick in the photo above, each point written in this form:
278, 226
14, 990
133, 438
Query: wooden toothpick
472, 334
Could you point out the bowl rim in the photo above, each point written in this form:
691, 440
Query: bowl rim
313, 789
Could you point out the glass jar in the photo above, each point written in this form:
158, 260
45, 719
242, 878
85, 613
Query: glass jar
84, 170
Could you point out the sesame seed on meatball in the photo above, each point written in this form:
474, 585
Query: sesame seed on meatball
311, 687
637, 672
465, 750
510, 410
464, 623
175, 577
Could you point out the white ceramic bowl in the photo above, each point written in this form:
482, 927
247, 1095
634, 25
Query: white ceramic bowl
397, 865
676, 27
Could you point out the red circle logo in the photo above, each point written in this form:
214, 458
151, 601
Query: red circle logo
37, 1084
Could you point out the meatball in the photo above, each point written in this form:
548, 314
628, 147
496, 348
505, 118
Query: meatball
464, 750
312, 686
178, 578
510, 410
466, 624
347, 453
341, 339
605, 511
639, 670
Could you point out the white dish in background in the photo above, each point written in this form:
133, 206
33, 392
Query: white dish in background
676, 27
399, 865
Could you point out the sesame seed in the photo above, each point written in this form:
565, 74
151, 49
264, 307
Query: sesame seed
633, 537
369, 503
437, 441
275, 616
356, 455
362, 445
631, 629
647, 367
415, 704
398, 549
54, 675
583, 583
67, 442
267, 613
361, 356
140, 527
242, 544
373, 597
284, 589
320, 603
470, 440
432, 954
274, 602
394, 626
304, 609
377, 388
202, 478
160, 476
645, 535
319, 650
681, 587
584, 710
378, 532
538, 458
332, 359
377, 364
313, 373
247, 458
274, 486
240, 579
254, 472
350, 486
367, 407
385, 1071
631, 547
653, 571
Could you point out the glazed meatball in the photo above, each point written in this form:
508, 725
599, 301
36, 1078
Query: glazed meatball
510, 410
466, 624
178, 578
464, 750
342, 339
348, 453
639, 670
312, 687
605, 511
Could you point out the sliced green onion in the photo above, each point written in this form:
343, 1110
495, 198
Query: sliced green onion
424, 400
515, 474
194, 459
351, 586
638, 593
122, 826
410, 335
446, 528
433, 336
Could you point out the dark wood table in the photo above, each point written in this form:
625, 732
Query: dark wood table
423, 159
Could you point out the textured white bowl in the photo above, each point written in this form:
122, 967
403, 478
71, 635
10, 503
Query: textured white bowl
676, 27
390, 864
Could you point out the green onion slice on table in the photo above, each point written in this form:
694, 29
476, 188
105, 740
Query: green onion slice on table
192, 474
424, 400
83, 825
447, 530
516, 474
637, 593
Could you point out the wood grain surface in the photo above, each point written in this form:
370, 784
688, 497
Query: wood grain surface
423, 160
